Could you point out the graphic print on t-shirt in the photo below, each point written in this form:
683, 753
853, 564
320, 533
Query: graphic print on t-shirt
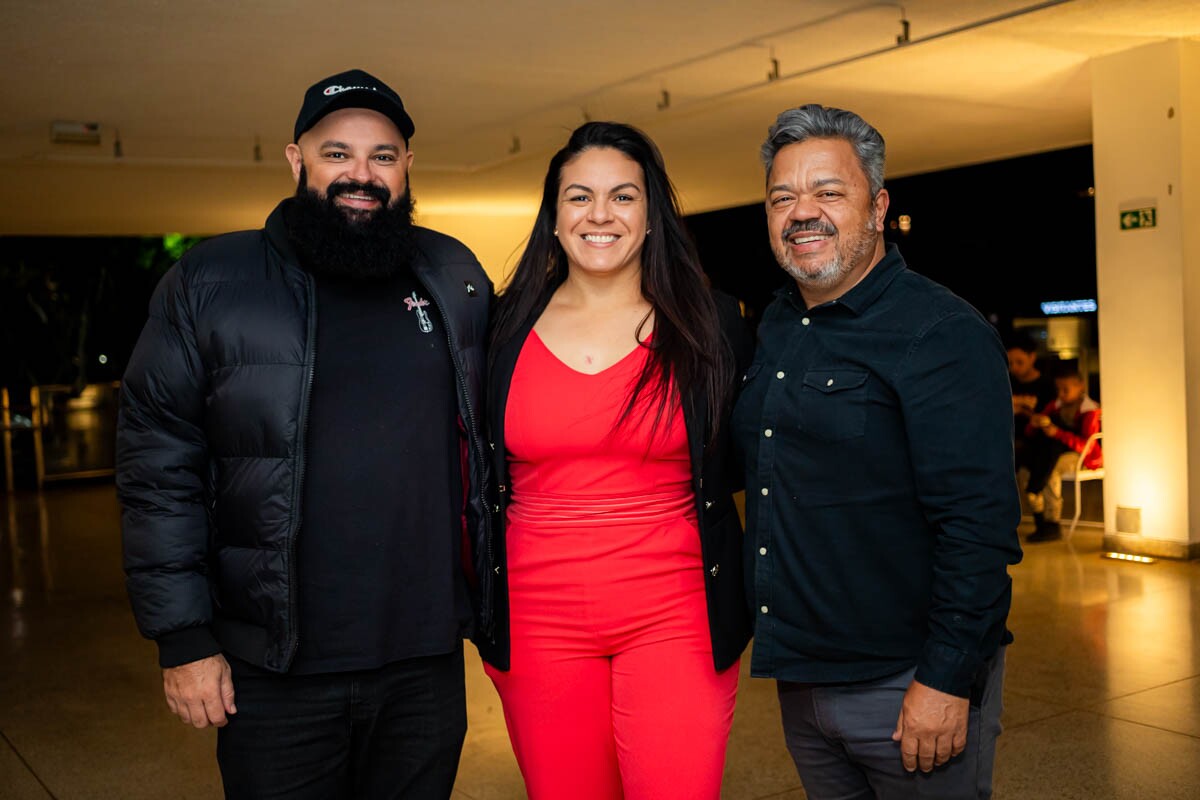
414, 302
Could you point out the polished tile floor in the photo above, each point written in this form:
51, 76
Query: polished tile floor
1103, 690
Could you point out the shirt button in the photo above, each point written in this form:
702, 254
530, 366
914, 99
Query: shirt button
806, 322
779, 375
765, 491
762, 551
767, 433
829, 382
763, 609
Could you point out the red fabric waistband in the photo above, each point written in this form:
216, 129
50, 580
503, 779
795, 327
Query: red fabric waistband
538, 509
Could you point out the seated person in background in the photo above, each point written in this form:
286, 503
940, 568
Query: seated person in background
1032, 389
1055, 438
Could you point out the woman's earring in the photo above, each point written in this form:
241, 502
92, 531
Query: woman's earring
648, 231
556, 231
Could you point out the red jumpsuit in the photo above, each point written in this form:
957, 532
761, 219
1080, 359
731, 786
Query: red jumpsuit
612, 691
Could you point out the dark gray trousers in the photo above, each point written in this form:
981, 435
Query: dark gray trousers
840, 737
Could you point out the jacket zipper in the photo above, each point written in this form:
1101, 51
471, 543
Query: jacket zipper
476, 444
310, 347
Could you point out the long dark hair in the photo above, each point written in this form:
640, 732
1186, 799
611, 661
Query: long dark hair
687, 345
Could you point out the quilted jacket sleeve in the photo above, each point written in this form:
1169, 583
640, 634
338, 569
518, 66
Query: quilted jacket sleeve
161, 466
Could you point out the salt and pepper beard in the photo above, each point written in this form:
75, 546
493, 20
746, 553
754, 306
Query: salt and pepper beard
836, 268
335, 242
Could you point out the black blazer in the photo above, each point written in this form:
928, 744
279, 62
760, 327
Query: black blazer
716, 475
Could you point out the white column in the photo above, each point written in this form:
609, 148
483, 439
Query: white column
1146, 138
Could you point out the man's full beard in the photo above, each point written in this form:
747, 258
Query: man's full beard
335, 243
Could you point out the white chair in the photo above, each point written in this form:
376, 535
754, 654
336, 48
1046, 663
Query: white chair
1080, 475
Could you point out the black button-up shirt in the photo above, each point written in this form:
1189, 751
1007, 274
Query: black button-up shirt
881, 500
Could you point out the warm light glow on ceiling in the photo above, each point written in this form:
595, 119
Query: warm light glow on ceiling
482, 207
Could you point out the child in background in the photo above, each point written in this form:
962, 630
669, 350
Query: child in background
1056, 436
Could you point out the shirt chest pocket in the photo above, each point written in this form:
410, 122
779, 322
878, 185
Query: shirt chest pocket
833, 404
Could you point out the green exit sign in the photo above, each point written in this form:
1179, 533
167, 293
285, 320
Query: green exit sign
1139, 218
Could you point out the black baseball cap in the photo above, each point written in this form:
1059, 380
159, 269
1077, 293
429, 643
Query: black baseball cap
352, 89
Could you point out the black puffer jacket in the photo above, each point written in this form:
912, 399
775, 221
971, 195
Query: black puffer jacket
211, 438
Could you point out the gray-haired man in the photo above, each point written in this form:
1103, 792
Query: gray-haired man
882, 508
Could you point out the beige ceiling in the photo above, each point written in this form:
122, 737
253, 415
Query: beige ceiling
190, 85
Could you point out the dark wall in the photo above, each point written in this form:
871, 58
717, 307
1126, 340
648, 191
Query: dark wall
71, 308
1005, 235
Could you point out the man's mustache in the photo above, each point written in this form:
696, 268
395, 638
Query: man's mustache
809, 226
371, 190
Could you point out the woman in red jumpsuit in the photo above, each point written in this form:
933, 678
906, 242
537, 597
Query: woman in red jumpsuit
618, 613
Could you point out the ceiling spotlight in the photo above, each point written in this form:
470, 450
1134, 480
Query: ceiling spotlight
905, 223
773, 73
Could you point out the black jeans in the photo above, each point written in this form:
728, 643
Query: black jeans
395, 732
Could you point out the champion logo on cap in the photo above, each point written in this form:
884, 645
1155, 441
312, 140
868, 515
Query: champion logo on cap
351, 89
335, 89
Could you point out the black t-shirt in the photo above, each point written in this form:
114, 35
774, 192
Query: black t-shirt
379, 549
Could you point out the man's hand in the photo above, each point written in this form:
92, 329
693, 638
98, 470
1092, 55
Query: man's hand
201, 692
932, 727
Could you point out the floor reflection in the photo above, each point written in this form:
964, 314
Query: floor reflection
1102, 693
28, 539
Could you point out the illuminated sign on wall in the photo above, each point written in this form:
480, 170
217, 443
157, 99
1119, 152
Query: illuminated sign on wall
1054, 307
1139, 218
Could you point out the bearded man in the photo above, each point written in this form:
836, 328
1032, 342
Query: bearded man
881, 502
302, 473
